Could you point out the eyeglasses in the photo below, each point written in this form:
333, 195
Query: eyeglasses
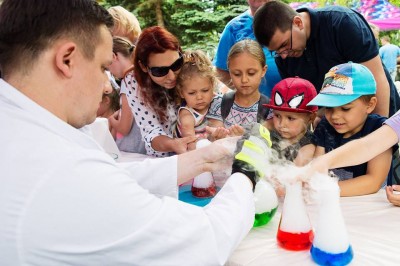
163, 71
287, 51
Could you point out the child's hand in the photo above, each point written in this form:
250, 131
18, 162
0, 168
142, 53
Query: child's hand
217, 132
181, 144
116, 114
113, 119
393, 194
236, 130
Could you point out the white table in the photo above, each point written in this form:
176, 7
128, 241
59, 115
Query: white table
373, 225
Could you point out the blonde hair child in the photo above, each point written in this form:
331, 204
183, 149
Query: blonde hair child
247, 66
125, 24
195, 84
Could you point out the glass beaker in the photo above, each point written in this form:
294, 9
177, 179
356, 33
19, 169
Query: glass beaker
203, 185
266, 203
331, 244
294, 231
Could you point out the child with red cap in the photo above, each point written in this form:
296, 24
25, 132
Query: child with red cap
292, 119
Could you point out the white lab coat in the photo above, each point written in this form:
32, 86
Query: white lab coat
63, 201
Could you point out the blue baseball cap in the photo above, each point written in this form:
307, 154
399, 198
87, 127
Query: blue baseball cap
343, 84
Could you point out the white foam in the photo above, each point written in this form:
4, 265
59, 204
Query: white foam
294, 214
203, 180
265, 198
331, 233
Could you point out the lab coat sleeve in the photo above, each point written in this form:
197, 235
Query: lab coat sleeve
109, 219
161, 180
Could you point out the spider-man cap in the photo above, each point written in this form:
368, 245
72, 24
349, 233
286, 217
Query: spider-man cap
293, 95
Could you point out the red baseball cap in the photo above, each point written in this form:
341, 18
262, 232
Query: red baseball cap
293, 95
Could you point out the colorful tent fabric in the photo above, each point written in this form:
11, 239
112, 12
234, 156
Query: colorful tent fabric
380, 12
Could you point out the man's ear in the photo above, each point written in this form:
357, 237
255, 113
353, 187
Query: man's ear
143, 67
65, 58
298, 21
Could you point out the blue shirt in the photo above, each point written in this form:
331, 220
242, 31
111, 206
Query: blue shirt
338, 35
389, 53
240, 28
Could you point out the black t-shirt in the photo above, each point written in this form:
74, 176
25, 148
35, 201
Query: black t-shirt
326, 136
338, 35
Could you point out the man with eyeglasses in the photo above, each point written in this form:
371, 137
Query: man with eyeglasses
308, 42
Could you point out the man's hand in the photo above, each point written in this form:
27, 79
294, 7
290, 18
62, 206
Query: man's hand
251, 153
213, 158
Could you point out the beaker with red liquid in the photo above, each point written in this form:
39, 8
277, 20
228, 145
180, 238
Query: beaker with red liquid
203, 185
294, 231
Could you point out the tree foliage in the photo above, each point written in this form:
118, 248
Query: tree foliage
198, 23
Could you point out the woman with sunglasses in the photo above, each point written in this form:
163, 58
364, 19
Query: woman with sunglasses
153, 97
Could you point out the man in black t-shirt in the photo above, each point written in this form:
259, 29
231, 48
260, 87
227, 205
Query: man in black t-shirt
308, 42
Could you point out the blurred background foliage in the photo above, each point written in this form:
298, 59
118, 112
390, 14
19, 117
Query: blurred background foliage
198, 23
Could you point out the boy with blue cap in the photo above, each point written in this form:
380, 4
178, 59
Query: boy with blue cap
348, 95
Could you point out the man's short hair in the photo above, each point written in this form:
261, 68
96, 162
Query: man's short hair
269, 18
28, 27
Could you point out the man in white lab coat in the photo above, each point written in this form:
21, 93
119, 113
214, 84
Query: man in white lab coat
63, 200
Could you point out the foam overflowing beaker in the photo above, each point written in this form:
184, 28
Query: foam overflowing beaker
294, 231
331, 244
203, 185
266, 203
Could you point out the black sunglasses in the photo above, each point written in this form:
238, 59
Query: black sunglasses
163, 71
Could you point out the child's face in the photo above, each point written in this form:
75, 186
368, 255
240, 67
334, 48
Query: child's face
116, 67
350, 118
246, 73
291, 126
198, 93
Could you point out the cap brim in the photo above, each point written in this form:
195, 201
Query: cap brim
332, 100
287, 109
